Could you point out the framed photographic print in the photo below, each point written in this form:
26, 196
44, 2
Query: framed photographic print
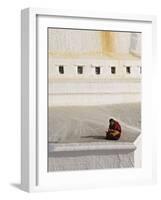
86, 108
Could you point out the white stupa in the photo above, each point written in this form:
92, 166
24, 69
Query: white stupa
93, 63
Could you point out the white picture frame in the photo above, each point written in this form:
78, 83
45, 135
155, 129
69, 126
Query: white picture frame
34, 175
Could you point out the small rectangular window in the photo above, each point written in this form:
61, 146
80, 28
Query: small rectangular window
113, 70
80, 69
61, 69
140, 69
97, 70
128, 70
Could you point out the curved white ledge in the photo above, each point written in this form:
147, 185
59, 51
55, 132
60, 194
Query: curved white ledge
109, 145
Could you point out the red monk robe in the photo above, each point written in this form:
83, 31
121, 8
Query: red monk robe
114, 131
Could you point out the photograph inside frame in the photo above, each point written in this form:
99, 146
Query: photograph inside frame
94, 99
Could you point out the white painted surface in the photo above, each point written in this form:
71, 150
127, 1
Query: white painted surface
94, 159
89, 64
78, 132
10, 176
45, 177
87, 156
92, 146
92, 99
83, 41
138, 152
62, 40
93, 92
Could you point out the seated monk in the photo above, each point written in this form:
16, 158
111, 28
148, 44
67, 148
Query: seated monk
114, 130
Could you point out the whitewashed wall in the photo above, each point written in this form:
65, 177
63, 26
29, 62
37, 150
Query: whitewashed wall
73, 48
87, 41
89, 64
93, 92
75, 41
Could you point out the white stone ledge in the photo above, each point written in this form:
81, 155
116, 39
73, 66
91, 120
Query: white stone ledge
109, 145
93, 79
